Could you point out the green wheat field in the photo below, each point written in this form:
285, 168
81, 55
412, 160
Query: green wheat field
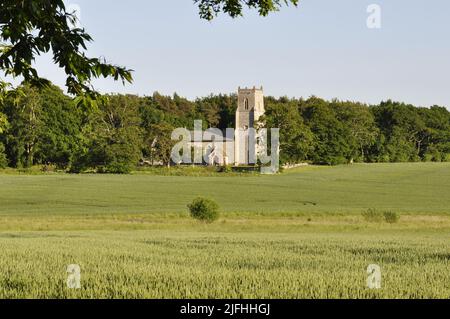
299, 234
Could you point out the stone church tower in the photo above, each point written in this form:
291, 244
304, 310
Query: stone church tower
250, 109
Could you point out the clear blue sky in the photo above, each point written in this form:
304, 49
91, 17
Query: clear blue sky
321, 48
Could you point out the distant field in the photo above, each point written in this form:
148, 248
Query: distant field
296, 235
406, 188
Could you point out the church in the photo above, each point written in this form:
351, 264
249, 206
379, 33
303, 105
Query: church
237, 149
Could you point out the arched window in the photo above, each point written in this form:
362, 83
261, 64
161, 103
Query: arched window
246, 104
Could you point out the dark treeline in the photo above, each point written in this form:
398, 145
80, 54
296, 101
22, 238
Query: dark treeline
45, 127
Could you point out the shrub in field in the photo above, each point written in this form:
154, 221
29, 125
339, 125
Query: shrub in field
204, 210
433, 155
391, 217
47, 168
372, 215
225, 169
118, 167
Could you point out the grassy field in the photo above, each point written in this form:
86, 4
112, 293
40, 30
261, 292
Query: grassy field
296, 235
406, 188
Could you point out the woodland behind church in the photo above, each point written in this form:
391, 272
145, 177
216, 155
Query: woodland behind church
45, 127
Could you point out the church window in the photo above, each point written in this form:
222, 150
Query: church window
246, 104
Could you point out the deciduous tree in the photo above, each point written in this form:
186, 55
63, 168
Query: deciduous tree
33, 27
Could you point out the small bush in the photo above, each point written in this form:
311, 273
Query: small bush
372, 215
48, 168
80, 163
225, 169
391, 217
433, 154
446, 157
117, 167
204, 210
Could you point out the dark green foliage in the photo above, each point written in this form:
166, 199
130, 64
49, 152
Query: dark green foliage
218, 110
372, 215
112, 137
205, 210
411, 134
61, 128
331, 136
225, 169
361, 131
296, 138
24, 113
43, 126
3, 122
3, 159
391, 217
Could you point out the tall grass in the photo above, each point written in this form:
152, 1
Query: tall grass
203, 264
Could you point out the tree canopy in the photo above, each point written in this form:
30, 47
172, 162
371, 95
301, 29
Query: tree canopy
45, 127
33, 27
30, 28
210, 8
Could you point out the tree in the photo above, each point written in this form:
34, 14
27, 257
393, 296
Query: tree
360, 124
404, 131
210, 8
60, 134
3, 126
3, 123
4, 95
44, 127
113, 137
296, 139
160, 142
204, 209
32, 27
331, 145
24, 113
218, 110
3, 158
3, 118
210, 111
437, 145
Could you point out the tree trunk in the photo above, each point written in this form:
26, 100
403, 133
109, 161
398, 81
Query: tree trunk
29, 151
